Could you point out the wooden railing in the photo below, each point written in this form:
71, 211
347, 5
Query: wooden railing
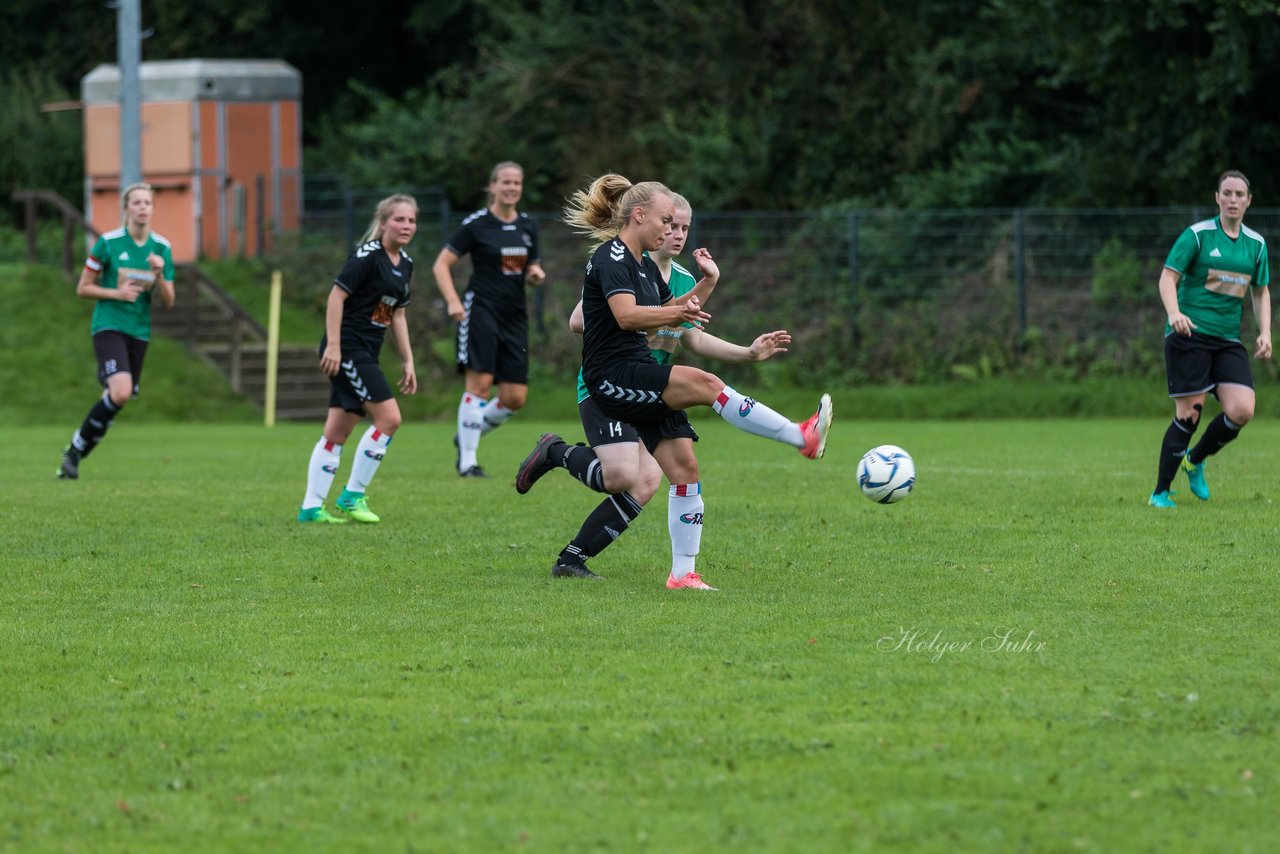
73, 225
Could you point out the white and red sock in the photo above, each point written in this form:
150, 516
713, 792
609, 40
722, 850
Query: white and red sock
495, 415
754, 417
320, 472
369, 454
684, 522
470, 427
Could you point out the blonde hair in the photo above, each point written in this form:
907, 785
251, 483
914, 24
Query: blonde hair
383, 212
682, 204
124, 200
601, 210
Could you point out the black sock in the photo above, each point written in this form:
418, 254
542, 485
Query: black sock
1176, 440
1220, 431
604, 525
95, 426
582, 463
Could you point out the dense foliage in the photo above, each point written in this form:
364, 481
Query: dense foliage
763, 104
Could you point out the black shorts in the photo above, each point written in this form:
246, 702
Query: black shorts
632, 391
494, 342
601, 429
1198, 363
359, 381
118, 353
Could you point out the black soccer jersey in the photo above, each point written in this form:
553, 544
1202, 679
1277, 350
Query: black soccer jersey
500, 253
377, 288
611, 270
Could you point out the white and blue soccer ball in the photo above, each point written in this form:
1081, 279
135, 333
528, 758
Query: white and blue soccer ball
886, 474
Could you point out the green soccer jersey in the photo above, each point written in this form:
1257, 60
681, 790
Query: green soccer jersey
118, 258
662, 342
1217, 273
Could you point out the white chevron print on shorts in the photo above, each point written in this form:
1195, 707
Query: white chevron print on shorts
464, 328
630, 395
357, 384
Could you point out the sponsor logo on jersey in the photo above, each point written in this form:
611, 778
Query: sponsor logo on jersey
747, 405
1215, 253
691, 518
1227, 283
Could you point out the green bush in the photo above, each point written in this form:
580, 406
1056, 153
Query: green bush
51, 150
1117, 276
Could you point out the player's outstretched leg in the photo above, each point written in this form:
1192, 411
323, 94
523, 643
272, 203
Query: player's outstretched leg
537, 463
551, 452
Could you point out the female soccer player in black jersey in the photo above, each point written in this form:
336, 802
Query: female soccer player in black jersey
493, 322
368, 297
634, 401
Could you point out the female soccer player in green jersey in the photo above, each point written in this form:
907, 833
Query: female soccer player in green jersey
1212, 266
126, 270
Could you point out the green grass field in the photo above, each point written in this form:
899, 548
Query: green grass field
184, 666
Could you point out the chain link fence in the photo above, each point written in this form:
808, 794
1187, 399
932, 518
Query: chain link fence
869, 295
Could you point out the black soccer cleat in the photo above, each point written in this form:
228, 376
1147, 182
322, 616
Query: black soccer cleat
474, 471
573, 568
537, 463
69, 469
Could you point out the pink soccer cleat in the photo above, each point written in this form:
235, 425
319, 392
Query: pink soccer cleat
692, 581
815, 430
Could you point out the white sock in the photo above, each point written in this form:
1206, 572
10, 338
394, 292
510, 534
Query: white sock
753, 417
495, 415
684, 521
324, 465
470, 425
369, 454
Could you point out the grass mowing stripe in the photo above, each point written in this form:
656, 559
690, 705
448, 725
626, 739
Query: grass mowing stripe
1022, 654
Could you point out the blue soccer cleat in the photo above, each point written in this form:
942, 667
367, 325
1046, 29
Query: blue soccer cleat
1195, 476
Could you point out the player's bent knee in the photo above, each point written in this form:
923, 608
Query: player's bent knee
1240, 415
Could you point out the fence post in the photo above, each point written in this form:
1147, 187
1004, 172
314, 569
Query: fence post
237, 335
1020, 272
854, 304
193, 308
260, 190
68, 241
349, 211
30, 210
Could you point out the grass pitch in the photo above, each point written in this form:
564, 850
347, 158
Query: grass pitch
1020, 656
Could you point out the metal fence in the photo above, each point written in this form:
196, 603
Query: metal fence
868, 294
875, 294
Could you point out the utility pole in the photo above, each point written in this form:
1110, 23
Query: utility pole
129, 51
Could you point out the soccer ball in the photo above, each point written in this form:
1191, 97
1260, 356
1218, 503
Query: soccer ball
886, 474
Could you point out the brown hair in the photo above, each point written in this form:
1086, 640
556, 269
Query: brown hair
383, 212
1232, 173
602, 209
